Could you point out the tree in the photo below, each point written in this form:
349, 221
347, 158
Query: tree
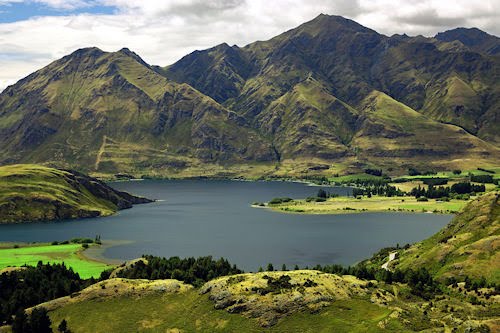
63, 327
283, 267
457, 172
270, 267
40, 321
322, 193
20, 323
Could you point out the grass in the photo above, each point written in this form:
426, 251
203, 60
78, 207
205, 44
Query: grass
342, 205
34, 190
191, 312
468, 245
70, 254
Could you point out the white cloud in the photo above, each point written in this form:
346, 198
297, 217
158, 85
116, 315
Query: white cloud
164, 31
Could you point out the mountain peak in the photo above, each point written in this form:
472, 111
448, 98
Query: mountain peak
329, 22
474, 38
126, 51
87, 52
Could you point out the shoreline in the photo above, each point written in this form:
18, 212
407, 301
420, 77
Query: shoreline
346, 205
96, 253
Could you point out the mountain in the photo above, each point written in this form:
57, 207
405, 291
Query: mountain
105, 112
329, 92
473, 38
467, 246
288, 85
34, 193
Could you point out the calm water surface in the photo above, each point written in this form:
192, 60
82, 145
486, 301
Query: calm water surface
198, 218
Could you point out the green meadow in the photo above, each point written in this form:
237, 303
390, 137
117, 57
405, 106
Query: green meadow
69, 254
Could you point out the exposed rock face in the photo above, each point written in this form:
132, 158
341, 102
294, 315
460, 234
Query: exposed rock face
269, 296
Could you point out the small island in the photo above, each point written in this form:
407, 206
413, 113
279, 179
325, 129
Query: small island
30, 193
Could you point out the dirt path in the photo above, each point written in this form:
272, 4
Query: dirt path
392, 256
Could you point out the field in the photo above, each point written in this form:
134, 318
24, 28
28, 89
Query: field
70, 254
342, 205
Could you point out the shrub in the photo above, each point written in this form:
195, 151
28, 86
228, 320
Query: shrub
277, 201
422, 199
482, 179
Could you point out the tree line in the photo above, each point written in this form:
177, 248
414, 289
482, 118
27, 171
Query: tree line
189, 270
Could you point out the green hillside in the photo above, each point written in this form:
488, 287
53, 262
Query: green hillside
37, 193
111, 112
291, 301
467, 246
350, 63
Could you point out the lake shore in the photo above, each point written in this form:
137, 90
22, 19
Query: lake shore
96, 253
350, 205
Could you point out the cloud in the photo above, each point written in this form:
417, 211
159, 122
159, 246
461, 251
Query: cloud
164, 31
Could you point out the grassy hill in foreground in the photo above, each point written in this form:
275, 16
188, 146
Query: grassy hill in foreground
289, 301
467, 246
37, 193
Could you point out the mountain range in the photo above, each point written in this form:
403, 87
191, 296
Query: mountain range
330, 95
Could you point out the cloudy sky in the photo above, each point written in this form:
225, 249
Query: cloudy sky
35, 32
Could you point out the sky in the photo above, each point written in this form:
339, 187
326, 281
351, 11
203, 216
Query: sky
34, 33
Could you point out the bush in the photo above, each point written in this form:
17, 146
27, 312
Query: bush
322, 193
421, 199
457, 172
374, 172
435, 181
277, 201
482, 179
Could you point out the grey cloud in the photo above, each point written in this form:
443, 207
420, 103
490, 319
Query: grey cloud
201, 8
430, 18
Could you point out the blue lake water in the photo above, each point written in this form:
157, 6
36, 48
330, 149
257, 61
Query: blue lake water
206, 217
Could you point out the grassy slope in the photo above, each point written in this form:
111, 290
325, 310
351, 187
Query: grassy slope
70, 254
469, 245
34, 182
395, 130
33, 193
110, 113
190, 312
334, 303
121, 307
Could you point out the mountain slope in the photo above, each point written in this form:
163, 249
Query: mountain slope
472, 38
34, 193
329, 92
468, 246
458, 87
111, 111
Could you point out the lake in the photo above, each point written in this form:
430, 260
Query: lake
207, 217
